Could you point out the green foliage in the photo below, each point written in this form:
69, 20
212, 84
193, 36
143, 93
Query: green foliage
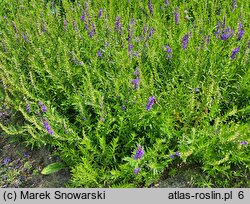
52, 168
96, 115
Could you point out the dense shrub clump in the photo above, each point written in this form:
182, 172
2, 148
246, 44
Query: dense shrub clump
125, 89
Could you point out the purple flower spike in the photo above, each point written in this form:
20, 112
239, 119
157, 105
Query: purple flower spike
166, 2
151, 32
240, 32
28, 108
91, 34
185, 40
150, 7
99, 54
136, 83
6, 161
100, 13
47, 127
169, 51
139, 152
196, 90
44, 108
40, 103
130, 47
234, 4
151, 101
86, 26
25, 154
243, 143
118, 25
176, 16
228, 33
25, 37
136, 73
178, 154
83, 17
137, 170
171, 156
235, 52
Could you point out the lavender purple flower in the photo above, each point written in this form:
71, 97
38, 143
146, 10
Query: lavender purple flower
86, 26
47, 126
137, 72
166, 2
151, 32
15, 28
6, 161
176, 16
137, 170
243, 143
185, 40
169, 51
151, 101
136, 82
228, 33
234, 4
83, 17
99, 54
206, 39
136, 54
235, 52
171, 156
25, 37
178, 154
40, 103
240, 32
44, 109
25, 154
218, 28
93, 28
28, 108
91, 34
150, 7
130, 47
196, 90
139, 152
118, 25
86, 7
130, 30
100, 13
223, 33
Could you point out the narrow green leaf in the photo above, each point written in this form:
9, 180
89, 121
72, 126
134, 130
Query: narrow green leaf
52, 168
